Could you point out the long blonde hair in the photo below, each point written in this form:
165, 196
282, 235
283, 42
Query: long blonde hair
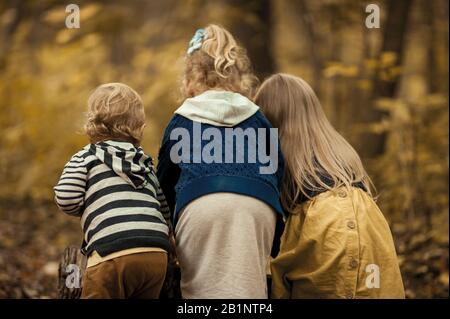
317, 157
220, 63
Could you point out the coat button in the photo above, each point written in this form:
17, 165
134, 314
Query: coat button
353, 263
351, 224
342, 194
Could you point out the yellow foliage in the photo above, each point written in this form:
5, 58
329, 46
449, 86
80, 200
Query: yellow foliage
388, 59
337, 69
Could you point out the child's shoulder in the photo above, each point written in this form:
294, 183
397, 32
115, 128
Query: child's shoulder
257, 120
82, 154
261, 118
177, 121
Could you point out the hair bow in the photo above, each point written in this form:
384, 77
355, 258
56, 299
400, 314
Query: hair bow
196, 41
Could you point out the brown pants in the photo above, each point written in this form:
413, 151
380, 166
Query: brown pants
137, 276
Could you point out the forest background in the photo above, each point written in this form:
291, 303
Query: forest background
385, 89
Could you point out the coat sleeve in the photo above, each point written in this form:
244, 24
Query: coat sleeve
167, 172
164, 208
71, 188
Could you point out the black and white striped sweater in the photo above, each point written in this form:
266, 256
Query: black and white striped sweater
112, 186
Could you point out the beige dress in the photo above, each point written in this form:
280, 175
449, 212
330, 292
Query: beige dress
223, 245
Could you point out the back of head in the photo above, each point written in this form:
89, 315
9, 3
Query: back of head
318, 158
216, 61
116, 112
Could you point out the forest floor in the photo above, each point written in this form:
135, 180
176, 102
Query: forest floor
33, 237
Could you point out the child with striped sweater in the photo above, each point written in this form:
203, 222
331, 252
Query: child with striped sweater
111, 186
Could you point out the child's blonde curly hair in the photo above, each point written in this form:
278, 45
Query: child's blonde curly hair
219, 63
115, 112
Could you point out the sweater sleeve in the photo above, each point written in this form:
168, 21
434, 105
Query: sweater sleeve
164, 209
71, 188
168, 172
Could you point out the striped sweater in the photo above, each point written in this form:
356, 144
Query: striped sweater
112, 187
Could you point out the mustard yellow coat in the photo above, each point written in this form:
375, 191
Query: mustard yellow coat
337, 245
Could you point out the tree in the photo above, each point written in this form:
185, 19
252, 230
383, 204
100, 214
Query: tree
307, 22
252, 25
387, 81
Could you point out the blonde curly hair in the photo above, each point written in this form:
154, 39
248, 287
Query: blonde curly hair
115, 112
220, 63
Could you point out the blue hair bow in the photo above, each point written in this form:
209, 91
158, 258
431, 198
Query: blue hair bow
196, 41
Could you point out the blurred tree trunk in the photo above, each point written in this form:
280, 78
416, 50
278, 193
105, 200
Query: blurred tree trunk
394, 41
433, 13
307, 21
334, 84
16, 13
253, 28
433, 72
394, 30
